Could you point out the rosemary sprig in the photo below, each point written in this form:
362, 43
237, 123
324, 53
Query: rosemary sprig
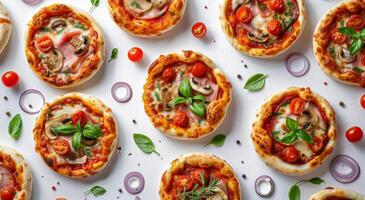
198, 193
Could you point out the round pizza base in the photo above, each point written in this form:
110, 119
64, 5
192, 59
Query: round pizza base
219, 107
262, 52
143, 28
109, 121
336, 192
262, 140
5, 27
101, 53
204, 161
23, 171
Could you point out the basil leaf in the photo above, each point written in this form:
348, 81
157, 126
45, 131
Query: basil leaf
275, 135
358, 70
76, 141
114, 55
144, 143
291, 124
200, 98
95, 2
294, 193
256, 82
347, 31
305, 136
198, 109
91, 131
15, 126
289, 137
218, 140
185, 88
356, 46
96, 191
157, 95
362, 34
79, 26
316, 180
64, 129
178, 100
88, 153
190, 100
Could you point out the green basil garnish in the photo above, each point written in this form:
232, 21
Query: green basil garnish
91, 131
294, 192
96, 191
256, 82
200, 98
64, 129
178, 100
15, 126
218, 140
291, 124
94, 3
198, 109
357, 38
114, 55
293, 134
144, 143
76, 141
185, 88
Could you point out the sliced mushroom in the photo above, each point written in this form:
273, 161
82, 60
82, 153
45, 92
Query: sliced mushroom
77, 161
166, 98
257, 36
237, 3
159, 3
345, 56
59, 23
203, 88
308, 120
220, 192
138, 6
54, 61
56, 121
81, 46
89, 141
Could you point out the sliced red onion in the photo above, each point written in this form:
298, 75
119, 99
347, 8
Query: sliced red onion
345, 169
304, 68
134, 182
125, 85
32, 2
25, 107
264, 186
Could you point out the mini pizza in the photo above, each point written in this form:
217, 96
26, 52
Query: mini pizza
15, 176
147, 18
75, 135
331, 193
295, 131
64, 47
186, 96
199, 176
337, 47
5, 27
262, 28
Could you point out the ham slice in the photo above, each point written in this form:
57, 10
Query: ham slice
6, 178
69, 57
185, 108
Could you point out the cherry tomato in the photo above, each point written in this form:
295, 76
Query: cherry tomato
45, 44
184, 182
197, 174
297, 106
362, 101
362, 59
317, 146
290, 154
354, 134
274, 27
79, 116
67, 37
168, 75
199, 69
181, 119
135, 54
61, 146
277, 5
355, 21
244, 14
338, 37
199, 30
8, 193
10, 79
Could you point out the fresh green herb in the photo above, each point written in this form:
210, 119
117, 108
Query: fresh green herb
255, 82
357, 38
342, 23
136, 5
262, 7
41, 56
218, 140
76, 141
294, 192
291, 6
331, 50
91, 131
158, 86
178, 100
203, 192
358, 70
114, 55
88, 153
96, 191
284, 104
94, 3
294, 133
157, 95
182, 73
198, 108
46, 29
185, 88
64, 129
79, 26
15, 126
144, 143
60, 31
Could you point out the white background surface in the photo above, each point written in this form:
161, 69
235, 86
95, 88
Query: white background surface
237, 124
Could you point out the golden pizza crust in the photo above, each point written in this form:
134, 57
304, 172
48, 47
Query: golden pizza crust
216, 110
321, 39
336, 192
151, 27
24, 175
108, 142
200, 160
263, 141
90, 65
277, 49
5, 27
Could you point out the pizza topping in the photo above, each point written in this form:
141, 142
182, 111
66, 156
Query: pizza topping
66, 38
345, 169
258, 36
338, 37
201, 85
146, 9
6, 178
277, 5
55, 60
297, 106
81, 45
356, 22
45, 44
181, 119
168, 75
244, 14
79, 117
61, 146
290, 154
58, 24
274, 27
8, 193
236, 3
345, 56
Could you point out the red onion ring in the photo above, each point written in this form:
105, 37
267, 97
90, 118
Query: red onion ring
129, 178
21, 100
303, 70
264, 179
345, 160
125, 85
32, 2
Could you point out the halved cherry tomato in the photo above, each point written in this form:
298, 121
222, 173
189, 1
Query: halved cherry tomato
297, 106
197, 174
61, 146
290, 154
79, 116
67, 37
355, 21
362, 59
7, 193
317, 146
45, 44
362, 101
168, 75
244, 14
274, 27
184, 182
338, 37
199, 69
135, 54
277, 5
181, 119
354, 134
199, 30
10, 79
